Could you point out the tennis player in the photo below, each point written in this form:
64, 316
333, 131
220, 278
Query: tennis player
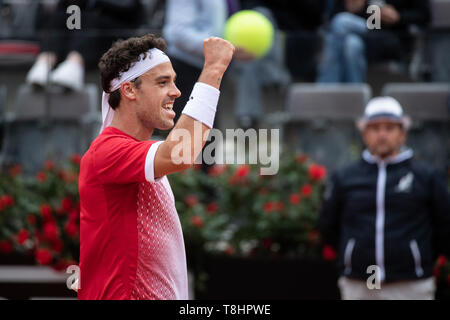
132, 244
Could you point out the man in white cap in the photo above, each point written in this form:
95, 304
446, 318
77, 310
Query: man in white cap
387, 215
131, 244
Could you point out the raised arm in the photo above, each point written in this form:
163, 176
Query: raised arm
183, 137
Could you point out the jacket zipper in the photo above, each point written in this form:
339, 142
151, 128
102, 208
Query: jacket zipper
348, 256
417, 258
380, 216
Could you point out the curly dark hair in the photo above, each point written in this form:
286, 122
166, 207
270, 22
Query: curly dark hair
121, 56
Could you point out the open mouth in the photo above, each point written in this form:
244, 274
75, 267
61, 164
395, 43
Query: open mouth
168, 106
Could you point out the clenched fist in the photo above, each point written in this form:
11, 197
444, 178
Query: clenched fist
218, 53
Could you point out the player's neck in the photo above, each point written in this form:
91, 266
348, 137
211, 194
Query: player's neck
131, 126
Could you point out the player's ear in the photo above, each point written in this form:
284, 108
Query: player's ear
127, 90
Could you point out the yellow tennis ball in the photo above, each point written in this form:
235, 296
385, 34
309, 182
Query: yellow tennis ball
251, 31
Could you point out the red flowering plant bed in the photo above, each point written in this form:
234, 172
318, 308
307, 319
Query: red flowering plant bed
14, 205
45, 220
237, 211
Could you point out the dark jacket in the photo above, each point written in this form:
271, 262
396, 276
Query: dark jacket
393, 214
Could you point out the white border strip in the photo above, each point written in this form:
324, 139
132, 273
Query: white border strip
150, 162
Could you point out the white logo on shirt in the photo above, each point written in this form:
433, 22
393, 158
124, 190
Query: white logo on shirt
405, 183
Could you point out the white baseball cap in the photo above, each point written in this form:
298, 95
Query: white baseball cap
383, 108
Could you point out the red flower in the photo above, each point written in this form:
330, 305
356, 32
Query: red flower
329, 253
317, 172
57, 245
6, 246
49, 165
75, 158
66, 204
217, 170
39, 236
230, 250
269, 206
71, 229
197, 221
279, 206
51, 231
41, 176
267, 243
240, 174
436, 271
197, 166
23, 236
313, 236
7, 200
191, 200
67, 176
212, 208
46, 212
31, 219
441, 261
294, 198
15, 170
74, 215
306, 190
242, 171
301, 158
43, 256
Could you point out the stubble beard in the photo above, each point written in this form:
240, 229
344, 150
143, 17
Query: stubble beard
151, 122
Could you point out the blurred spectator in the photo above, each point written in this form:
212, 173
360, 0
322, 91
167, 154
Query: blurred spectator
386, 210
102, 22
350, 45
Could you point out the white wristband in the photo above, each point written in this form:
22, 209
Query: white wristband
202, 104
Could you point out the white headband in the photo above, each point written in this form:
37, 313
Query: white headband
153, 57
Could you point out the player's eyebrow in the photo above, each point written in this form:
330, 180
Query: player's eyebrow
165, 77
